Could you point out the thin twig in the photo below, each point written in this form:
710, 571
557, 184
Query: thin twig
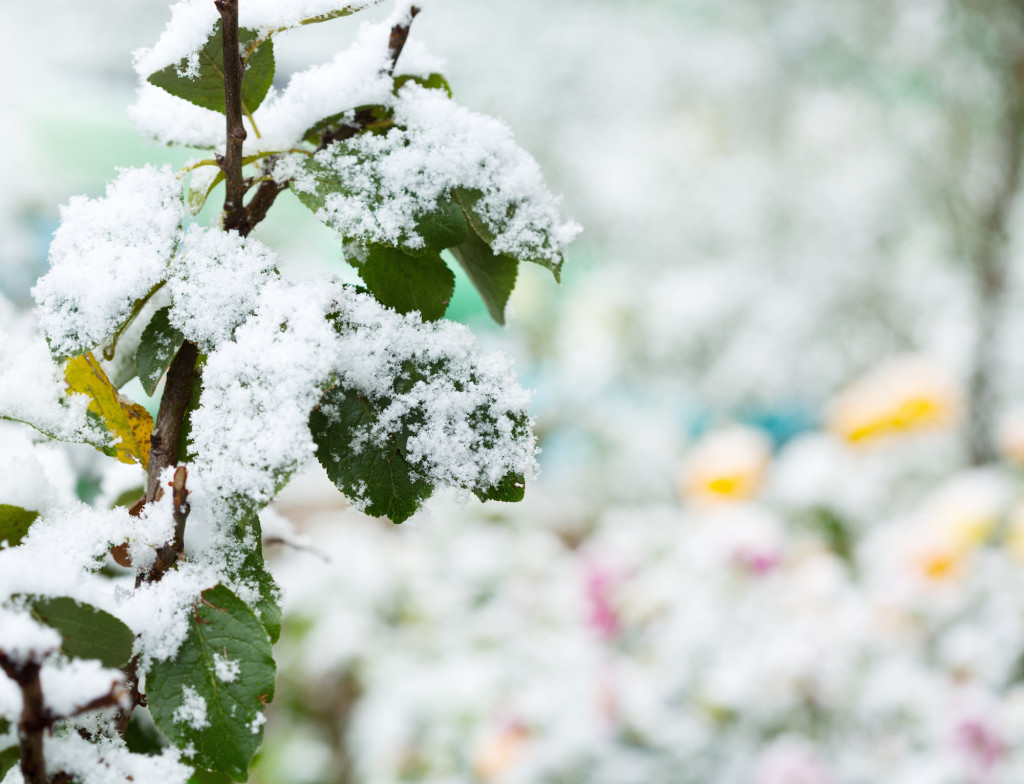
33, 723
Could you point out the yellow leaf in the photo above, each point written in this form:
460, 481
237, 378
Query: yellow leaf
129, 422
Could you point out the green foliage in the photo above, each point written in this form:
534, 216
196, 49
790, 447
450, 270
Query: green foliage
206, 88
492, 275
406, 282
511, 489
225, 635
380, 475
8, 757
435, 81
160, 342
86, 632
374, 119
14, 523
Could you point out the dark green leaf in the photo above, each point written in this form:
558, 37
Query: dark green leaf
129, 497
445, 227
407, 283
381, 477
185, 453
372, 118
225, 666
468, 199
14, 523
87, 633
493, 276
160, 342
142, 736
435, 81
207, 88
9, 757
511, 488
253, 571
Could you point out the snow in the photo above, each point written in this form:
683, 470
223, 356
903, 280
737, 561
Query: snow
192, 711
66, 688
226, 669
23, 640
259, 389
355, 77
107, 253
192, 21
108, 761
167, 119
214, 281
32, 390
393, 179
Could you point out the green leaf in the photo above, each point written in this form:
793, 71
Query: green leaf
160, 342
511, 488
206, 89
407, 283
468, 199
9, 757
445, 227
87, 633
185, 453
435, 81
253, 571
381, 477
493, 275
226, 668
129, 497
373, 118
14, 524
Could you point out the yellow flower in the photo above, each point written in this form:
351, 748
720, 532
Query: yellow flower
903, 395
728, 465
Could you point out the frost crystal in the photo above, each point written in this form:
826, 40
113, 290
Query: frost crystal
392, 180
108, 253
214, 281
192, 710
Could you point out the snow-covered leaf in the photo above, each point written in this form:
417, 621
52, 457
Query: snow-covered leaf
380, 474
209, 698
14, 524
200, 79
408, 283
130, 423
160, 342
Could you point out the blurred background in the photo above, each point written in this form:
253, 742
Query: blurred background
779, 534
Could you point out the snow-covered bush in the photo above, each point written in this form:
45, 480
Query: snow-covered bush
844, 609
160, 599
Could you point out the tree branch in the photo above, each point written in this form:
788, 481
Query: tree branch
231, 163
33, 723
173, 406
